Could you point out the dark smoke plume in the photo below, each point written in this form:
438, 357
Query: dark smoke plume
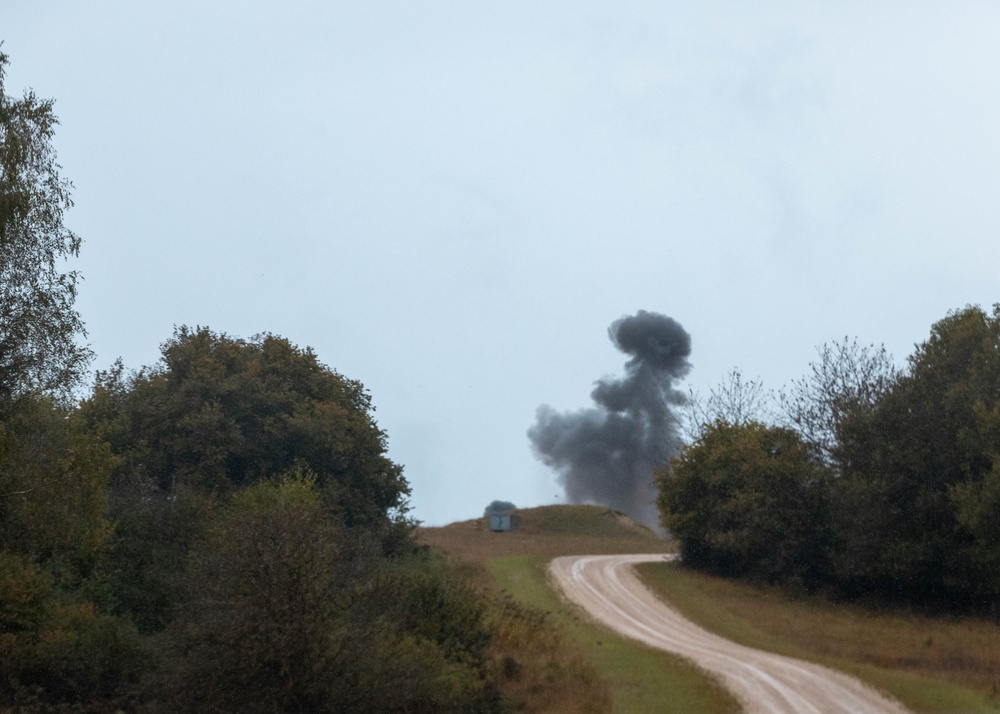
606, 454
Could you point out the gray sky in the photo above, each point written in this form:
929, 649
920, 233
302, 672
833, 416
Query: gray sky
452, 201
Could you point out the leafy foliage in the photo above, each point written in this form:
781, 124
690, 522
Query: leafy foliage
744, 499
907, 503
53, 488
165, 567
219, 413
68, 652
919, 467
296, 592
279, 619
57, 642
38, 323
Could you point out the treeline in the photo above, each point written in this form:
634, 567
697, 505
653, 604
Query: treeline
866, 481
219, 532
223, 532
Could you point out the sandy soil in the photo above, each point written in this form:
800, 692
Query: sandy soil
609, 590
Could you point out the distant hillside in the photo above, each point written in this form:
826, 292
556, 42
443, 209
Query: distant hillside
547, 530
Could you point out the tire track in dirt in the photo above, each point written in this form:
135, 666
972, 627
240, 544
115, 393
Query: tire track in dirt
607, 588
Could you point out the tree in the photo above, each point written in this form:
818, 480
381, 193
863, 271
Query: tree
53, 488
748, 500
848, 377
260, 629
59, 644
281, 619
887, 487
917, 501
220, 413
735, 400
38, 322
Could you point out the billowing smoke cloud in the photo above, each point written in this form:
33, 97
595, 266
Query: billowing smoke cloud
606, 454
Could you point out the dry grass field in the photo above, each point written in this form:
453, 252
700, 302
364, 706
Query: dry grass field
931, 664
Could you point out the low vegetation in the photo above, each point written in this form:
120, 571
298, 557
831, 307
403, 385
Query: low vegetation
638, 678
632, 677
931, 664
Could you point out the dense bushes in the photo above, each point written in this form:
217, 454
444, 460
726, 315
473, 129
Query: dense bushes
218, 413
745, 500
223, 532
279, 617
917, 470
890, 488
58, 640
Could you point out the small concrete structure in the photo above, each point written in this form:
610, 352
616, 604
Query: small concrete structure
501, 515
500, 521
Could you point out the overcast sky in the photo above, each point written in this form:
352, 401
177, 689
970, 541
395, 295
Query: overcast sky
451, 201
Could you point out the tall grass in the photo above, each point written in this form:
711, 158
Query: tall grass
929, 664
641, 680
537, 667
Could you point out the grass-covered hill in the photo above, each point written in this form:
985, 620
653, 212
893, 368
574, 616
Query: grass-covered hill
550, 531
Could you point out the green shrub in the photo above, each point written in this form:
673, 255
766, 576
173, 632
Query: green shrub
748, 500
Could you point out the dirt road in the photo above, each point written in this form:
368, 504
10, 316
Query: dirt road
607, 588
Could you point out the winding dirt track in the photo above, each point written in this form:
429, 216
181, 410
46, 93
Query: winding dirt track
609, 590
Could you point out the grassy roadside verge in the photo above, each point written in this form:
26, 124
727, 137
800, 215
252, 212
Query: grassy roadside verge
638, 679
929, 664
641, 679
